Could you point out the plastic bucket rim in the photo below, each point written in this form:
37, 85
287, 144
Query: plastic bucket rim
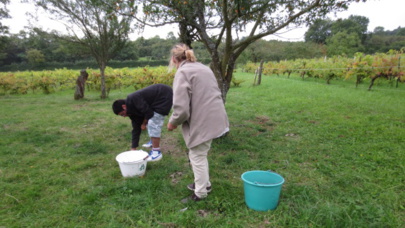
131, 162
263, 184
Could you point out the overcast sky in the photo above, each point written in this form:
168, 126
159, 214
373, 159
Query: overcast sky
389, 14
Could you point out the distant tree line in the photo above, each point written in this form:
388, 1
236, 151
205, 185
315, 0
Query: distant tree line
326, 37
348, 36
37, 49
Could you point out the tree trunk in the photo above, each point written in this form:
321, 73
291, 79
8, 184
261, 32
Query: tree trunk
303, 74
399, 69
223, 85
372, 81
330, 76
223, 82
358, 80
254, 81
102, 81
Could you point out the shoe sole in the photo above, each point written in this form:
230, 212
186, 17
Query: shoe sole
192, 189
191, 199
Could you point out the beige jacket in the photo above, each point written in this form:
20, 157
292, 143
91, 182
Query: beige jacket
197, 104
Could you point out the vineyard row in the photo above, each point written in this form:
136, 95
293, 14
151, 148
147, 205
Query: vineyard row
326, 69
62, 79
379, 66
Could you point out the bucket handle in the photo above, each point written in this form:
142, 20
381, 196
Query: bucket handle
260, 183
145, 157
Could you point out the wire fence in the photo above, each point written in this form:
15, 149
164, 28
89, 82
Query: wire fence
326, 69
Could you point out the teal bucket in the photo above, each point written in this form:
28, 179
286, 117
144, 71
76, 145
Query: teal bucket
262, 189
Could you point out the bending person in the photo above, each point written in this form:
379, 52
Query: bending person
147, 108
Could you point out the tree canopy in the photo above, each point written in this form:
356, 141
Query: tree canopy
91, 26
218, 24
348, 36
155, 50
322, 29
4, 14
319, 31
3, 29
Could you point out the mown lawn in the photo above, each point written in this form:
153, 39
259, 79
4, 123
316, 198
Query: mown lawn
339, 148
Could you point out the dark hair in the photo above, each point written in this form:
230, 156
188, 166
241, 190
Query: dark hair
117, 106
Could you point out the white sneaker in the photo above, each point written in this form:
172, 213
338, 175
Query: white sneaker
154, 155
148, 144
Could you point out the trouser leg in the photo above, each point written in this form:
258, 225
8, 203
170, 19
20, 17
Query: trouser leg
199, 164
155, 129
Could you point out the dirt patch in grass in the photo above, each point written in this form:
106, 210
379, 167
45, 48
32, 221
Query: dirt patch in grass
264, 124
262, 119
170, 144
257, 126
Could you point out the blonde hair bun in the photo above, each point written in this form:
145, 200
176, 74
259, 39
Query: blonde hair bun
183, 52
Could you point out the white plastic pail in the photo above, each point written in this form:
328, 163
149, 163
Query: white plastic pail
132, 163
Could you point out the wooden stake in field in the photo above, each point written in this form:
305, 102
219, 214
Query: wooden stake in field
80, 84
258, 74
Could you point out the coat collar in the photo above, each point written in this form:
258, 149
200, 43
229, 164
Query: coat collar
182, 63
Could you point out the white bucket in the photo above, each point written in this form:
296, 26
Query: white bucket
132, 163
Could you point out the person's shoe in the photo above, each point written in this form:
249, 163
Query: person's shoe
154, 155
148, 144
192, 187
193, 197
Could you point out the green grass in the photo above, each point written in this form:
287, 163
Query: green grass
339, 148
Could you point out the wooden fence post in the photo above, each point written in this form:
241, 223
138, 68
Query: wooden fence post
259, 79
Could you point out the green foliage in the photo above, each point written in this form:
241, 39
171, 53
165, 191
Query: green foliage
35, 56
344, 43
323, 31
250, 67
353, 24
360, 68
83, 65
215, 24
237, 82
63, 79
319, 31
348, 36
13, 85
274, 50
103, 33
4, 13
386, 66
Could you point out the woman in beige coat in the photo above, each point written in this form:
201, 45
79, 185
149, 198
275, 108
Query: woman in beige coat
199, 108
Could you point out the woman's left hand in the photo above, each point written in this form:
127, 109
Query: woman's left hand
171, 127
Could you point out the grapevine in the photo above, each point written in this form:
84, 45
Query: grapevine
47, 82
360, 68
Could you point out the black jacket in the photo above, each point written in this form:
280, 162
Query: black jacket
144, 102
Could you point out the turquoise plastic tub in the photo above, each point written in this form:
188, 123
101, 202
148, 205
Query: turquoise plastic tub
262, 189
